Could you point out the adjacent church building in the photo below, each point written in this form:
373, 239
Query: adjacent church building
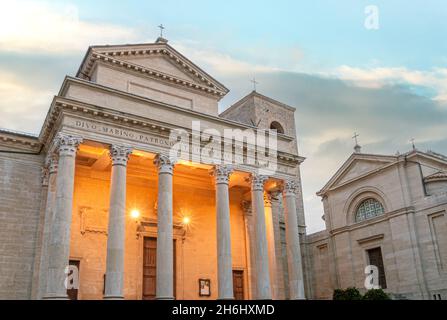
104, 204
389, 211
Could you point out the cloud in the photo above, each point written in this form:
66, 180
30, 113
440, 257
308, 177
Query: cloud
40, 27
219, 63
23, 106
435, 79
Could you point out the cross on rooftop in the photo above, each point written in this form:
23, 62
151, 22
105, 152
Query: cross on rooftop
412, 143
357, 147
254, 83
161, 30
355, 137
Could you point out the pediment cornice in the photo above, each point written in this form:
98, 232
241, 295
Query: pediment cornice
337, 179
18, 140
116, 55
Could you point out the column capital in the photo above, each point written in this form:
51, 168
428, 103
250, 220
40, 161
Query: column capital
221, 173
257, 181
271, 197
45, 174
246, 207
120, 154
290, 187
51, 162
66, 144
164, 163
267, 200
50, 167
274, 195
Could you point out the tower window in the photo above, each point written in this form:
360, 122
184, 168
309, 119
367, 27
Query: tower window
275, 125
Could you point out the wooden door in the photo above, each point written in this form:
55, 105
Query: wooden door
150, 268
375, 259
238, 284
73, 293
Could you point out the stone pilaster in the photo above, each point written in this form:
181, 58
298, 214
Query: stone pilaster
295, 268
49, 178
165, 252
263, 289
221, 174
59, 245
117, 219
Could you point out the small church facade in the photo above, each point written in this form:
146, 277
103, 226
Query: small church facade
389, 212
133, 190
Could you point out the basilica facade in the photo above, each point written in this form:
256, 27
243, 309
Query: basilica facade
134, 189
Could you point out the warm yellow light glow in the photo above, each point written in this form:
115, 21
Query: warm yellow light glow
135, 214
186, 220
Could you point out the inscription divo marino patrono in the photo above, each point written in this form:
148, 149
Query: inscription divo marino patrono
121, 133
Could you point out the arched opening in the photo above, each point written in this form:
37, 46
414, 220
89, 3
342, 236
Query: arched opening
275, 125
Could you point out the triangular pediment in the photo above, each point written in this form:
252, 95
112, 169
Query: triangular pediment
164, 65
357, 166
158, 60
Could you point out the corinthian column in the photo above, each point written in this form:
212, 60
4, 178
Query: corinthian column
296, 284
221, 175
269, 222
117, 219
59, 246
165, 252
261, 249
51, 171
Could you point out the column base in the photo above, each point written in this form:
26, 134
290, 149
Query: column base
113, 298
164, 298
55, 297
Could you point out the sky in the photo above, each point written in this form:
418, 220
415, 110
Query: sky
345, 66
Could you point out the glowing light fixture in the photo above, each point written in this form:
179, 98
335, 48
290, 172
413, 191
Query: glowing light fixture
135, 213
186, 220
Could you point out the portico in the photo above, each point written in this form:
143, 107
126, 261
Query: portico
103, 183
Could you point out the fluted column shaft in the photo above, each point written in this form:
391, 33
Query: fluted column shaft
296, 282
117, 223
165, 252
59, 246
224, 262
261, 249
51, 168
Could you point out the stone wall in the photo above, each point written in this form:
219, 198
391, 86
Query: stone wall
20, 202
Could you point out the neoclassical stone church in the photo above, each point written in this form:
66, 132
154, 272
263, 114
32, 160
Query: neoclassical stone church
98, 206
389, 211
